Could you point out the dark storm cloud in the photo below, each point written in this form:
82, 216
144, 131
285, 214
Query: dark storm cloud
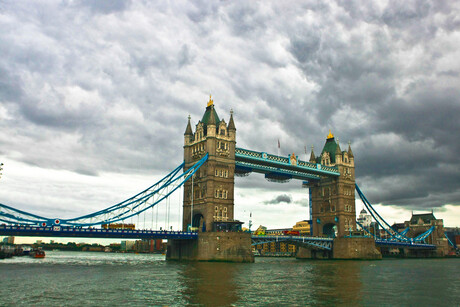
283, 198
106, 86
411, 123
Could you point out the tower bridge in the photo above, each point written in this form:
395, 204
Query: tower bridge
210, 230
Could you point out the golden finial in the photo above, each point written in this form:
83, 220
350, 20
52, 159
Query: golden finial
330, 135
210, 102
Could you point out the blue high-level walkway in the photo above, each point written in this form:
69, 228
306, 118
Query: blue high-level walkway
247, 161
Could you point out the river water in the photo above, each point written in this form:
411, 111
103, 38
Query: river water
102, 279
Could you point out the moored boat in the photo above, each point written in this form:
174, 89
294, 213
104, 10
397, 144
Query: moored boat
37, 253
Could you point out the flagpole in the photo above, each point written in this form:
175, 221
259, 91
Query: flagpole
278, 148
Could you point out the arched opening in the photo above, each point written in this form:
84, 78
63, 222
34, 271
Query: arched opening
198, 222
330, 230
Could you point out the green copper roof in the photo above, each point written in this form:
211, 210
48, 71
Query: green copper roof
330, 147
207, 116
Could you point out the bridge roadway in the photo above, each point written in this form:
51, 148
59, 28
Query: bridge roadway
327, 243
64, 231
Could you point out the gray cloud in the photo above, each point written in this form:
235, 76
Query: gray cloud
94, 88
283, 198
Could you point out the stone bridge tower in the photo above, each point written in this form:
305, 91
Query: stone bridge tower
418, 224
333, 198
213, 184
208, 198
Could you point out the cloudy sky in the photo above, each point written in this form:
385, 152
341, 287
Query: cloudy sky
94, 98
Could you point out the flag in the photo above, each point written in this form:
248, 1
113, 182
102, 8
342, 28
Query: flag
278, 143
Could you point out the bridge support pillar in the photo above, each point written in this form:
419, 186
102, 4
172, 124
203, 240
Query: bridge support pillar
344, 248
212, 246
355, 248
307, 253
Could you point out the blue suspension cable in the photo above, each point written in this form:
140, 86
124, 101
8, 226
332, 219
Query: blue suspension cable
128, 207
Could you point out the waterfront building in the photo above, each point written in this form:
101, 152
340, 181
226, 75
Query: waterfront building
127, 246
260, 230
303, 227
420, 223
149, 246
364, 219
8, 240
275, 249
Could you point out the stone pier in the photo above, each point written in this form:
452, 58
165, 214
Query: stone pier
344, 248
212, 246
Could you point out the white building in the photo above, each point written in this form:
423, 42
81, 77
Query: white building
365, 219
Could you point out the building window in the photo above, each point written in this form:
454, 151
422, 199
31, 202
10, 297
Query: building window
220, 193
221, 173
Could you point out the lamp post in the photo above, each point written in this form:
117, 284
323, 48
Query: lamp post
1, 168
191, 209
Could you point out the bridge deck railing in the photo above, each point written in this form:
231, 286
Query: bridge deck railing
263, 156
64, 231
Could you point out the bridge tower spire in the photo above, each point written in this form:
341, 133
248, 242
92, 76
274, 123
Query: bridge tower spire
213, 184
333, 198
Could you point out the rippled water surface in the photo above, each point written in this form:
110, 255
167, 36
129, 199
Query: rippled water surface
101, 279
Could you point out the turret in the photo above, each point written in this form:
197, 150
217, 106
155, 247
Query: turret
188, 135
351, 158
231, 126
211, 126
312, 156
338, 154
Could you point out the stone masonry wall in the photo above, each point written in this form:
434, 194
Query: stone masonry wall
213, 246
355, 248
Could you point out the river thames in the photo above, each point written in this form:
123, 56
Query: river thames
102, 279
